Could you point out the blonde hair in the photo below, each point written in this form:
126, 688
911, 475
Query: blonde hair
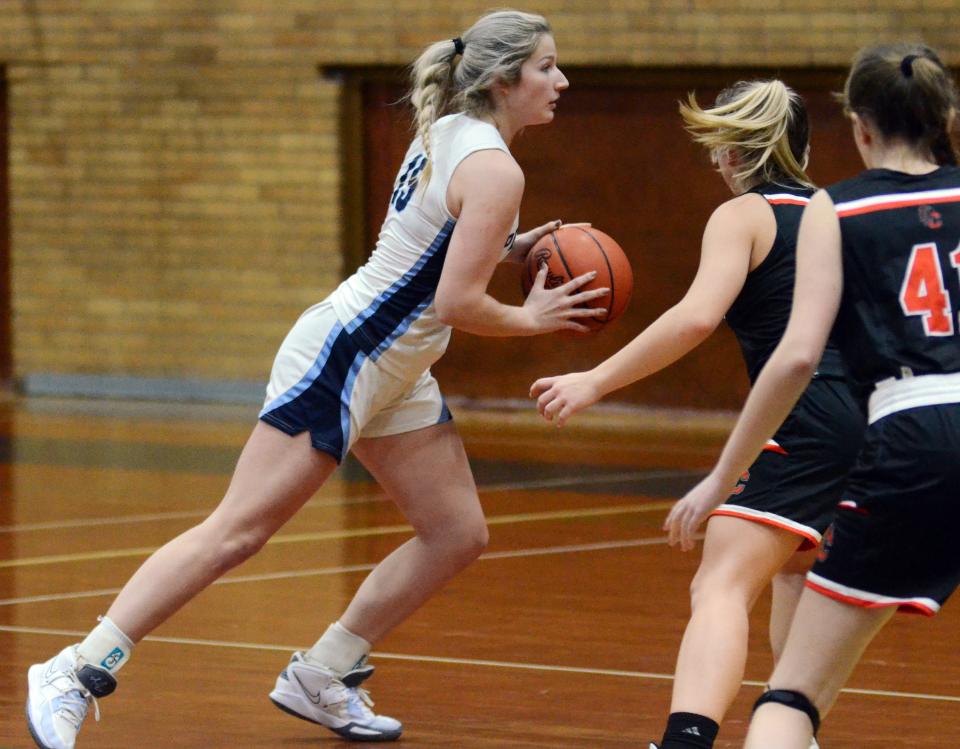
765, 121
444, 81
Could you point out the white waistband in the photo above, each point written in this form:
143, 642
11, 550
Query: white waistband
895, 395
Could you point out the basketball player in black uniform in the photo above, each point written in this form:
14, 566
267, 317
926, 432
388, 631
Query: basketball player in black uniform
880, 254
757, 134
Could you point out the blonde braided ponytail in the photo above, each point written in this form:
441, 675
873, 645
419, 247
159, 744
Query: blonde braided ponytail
444, 80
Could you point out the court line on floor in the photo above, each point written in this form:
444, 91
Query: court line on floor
150, 517
346, 569
551, 483
378, 530
541, 667
604, 478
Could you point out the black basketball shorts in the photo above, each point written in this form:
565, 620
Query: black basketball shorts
894, 540
798, 479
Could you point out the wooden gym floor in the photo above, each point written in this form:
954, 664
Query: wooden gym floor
563, 635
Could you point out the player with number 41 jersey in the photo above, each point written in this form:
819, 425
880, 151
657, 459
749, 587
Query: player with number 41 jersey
901, 292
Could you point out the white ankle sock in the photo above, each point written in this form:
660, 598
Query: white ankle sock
106, 646
338, 649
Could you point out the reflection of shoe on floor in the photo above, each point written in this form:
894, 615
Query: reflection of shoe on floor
59, 695
314, 693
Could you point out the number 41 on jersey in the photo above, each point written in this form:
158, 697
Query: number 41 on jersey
924, 292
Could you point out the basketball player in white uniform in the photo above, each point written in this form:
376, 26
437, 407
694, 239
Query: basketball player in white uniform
353, 373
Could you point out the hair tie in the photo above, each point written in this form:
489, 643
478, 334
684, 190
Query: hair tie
906, 65
458, 45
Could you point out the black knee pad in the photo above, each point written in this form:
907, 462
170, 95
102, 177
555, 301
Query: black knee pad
796, 700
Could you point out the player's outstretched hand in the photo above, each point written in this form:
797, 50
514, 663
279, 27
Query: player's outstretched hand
558, 398
560, 308
686, 515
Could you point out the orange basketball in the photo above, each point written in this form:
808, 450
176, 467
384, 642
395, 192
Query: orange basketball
571, 251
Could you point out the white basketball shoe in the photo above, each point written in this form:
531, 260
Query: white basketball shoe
314, 693
60, 693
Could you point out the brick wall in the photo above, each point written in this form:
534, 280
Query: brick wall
175, 165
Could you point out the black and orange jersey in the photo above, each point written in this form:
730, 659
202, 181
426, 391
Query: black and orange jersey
901, 267
759, 314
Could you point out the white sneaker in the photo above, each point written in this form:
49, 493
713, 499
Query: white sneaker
58, 697
314, 693
814, 744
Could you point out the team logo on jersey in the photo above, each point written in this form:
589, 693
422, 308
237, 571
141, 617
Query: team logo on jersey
929, 217
826, 545
741, 484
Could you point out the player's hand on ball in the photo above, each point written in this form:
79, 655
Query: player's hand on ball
525, 241
686, 515
558, 398
560, 308
569, 254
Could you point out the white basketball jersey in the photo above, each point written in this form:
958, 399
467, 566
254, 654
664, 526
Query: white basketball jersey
387, 305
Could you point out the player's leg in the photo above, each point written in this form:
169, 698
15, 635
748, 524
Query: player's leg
427, 475
825, 642
787, 587
274, 476
739, 559
416, 455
